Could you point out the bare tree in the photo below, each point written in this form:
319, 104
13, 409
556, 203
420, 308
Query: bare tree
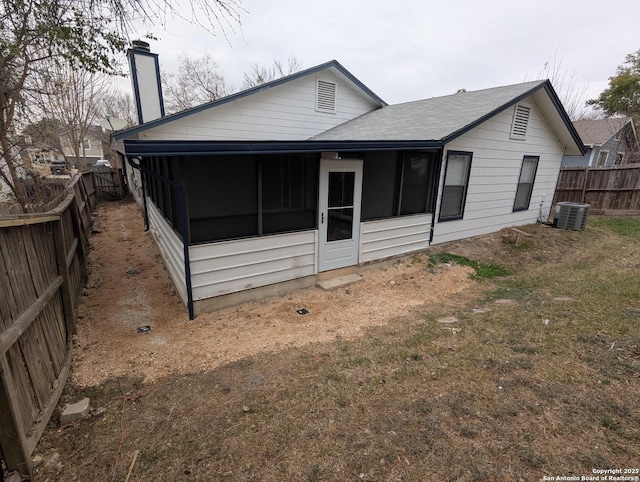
261, 74
74, 99
84, 35
118, 104
198, 81
566, 86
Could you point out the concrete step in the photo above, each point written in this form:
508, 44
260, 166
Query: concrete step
339, 282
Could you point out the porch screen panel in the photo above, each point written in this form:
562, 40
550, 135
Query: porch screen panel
289, 193
379, 185
398, 184
417, 173
222, 196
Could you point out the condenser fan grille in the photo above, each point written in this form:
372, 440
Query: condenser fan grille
570, 215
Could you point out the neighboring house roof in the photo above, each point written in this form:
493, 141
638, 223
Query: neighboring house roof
445, 118
595, 132
333, 65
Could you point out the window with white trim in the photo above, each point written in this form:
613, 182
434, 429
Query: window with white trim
525, 183
520, 124
326, 92
602, 158
86, 144
456, 183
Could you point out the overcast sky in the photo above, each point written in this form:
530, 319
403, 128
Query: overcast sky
407, 50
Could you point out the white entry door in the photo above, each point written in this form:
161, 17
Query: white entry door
339, 222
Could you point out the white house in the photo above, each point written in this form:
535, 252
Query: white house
260, 192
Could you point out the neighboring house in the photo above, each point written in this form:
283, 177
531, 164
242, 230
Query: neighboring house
43, 151
90, 148
608, 141
257, 193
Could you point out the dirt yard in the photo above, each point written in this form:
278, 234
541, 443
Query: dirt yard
533, 377
129, 288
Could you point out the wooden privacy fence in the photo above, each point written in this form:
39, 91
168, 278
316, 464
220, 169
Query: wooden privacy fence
109, 183
42, 273
609, 190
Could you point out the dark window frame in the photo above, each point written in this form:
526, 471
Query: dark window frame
463, 201
160, 192
530, 185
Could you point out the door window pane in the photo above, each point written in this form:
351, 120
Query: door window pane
340, 212
339, 224
341, 186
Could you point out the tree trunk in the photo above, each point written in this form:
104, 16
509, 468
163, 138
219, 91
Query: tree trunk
17, 186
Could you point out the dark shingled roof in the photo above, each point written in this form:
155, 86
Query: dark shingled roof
430, 119
595, 132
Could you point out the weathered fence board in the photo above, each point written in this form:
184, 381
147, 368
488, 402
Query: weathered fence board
88, 179
42, 273
109, 183
611, 188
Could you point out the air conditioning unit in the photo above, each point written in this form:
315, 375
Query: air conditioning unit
569, 215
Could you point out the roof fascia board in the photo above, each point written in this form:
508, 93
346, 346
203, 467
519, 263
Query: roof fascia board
135, 148
564, 116
352, 78
245, 93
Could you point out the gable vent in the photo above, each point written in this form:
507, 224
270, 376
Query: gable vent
326, 96
520, 122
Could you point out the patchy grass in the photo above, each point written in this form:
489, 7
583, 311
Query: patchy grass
625, 226
482, 270
545, 385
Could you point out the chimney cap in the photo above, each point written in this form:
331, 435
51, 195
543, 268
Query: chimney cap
141, 45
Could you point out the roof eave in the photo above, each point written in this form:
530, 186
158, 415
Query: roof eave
260, 88
136, 148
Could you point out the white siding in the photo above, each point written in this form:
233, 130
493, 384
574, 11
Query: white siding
495, 170
392, 237
231, 266
171, 248
284, 112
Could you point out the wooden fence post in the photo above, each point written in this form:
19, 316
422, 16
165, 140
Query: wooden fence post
584, 184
